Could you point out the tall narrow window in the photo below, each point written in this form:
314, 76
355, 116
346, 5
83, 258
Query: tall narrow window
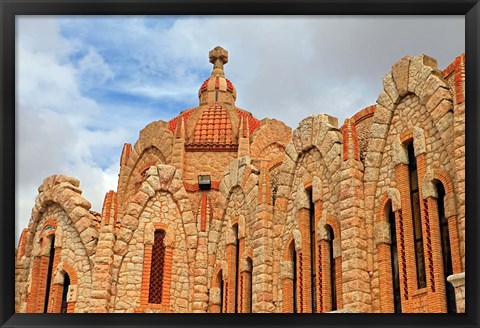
237, 267
394, 258
222, 296
446, 251
294, 267
417, 219
157, 268
49, 273
333, 280
312, 250
66, 284
248, 286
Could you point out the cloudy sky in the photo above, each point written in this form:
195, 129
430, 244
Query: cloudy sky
86, 85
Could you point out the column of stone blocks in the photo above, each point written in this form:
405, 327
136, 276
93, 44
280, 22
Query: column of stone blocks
244, 138
262, 300
178, 152
200, 289
102, 274
355, 277
21, 273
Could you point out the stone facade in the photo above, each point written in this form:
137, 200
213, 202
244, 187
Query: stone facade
365, 217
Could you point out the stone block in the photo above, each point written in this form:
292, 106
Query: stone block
381, 232
400, 72
390, 88
431, 85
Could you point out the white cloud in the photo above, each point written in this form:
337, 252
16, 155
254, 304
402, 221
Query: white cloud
53, 117
92, 70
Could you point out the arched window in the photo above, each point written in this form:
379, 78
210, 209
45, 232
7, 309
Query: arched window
49, 273
394, 260
312, 250
446, 249
333, 280
66, 284
416, 216
157, 268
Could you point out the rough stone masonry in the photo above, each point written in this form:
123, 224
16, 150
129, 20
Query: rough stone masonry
217, 211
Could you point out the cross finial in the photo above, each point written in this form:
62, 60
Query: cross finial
218, 57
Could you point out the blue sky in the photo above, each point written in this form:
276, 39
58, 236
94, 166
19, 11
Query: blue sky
86, 85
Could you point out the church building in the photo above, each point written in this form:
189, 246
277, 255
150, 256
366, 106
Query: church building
217, 211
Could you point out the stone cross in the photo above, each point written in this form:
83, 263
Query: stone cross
218, 57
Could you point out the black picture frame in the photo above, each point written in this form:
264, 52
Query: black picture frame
10, 8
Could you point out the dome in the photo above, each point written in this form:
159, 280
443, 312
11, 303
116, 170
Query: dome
216, 124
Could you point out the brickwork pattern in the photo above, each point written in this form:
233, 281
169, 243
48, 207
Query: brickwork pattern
245, 245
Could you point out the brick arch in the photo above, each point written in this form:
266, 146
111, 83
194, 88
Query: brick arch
49, 222
159, 178
320, 176
450, 209
304, 180
315, 132
286, 247
381, 208
333, 222
215, 287
391, 195
382, 241
224, 242
65, 192
270, 132
150, 228
287, 279
419, 76
148, 262
445, 179
144, 156
241, 175
58, 288
156, 137
66, 267
323, 264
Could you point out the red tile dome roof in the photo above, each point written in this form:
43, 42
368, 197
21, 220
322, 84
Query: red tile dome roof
213, 130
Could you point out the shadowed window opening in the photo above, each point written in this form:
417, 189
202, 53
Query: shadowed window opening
66, 285
333, 282
237, 267
446, 250
157, 268
313, 255
417, 219
49, 273
394, 259
293, 256
220, 279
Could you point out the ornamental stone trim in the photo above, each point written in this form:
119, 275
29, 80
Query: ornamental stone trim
381, 232
457, 280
